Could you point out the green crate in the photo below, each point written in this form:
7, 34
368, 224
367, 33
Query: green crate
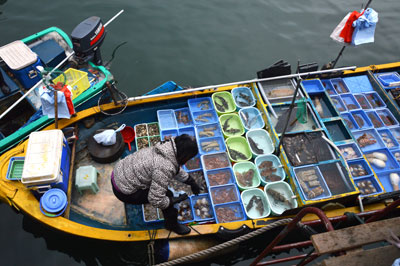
15, 168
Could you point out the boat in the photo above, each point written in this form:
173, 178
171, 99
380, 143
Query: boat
286, 179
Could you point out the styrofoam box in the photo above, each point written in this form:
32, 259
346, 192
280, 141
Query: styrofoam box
43, 158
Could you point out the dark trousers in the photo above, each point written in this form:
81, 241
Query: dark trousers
141, 197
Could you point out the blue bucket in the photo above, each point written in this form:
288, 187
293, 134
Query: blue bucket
54, 202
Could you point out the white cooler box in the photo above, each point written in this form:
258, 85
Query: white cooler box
47, 161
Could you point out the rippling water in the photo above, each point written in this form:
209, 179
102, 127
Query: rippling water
194, 43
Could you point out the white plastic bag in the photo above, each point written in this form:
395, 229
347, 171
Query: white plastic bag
336, 32
108, 137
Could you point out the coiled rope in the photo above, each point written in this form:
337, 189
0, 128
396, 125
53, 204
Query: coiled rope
226, 244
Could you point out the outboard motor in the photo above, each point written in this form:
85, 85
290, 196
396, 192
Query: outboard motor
87, 38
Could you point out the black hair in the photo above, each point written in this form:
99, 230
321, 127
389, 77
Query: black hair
186, 148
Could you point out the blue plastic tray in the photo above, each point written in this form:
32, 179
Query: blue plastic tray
388, 80
313, 85
255, 120
395, 132
375, 119
199, 201
391, 163
194, 163
384, 178
396, 155
218, 177
375, 100
200, 104
361, 119
235, 207
238, 92
358, 84
204, 117
387, 117
168, 133
208, 130
183, 117
305, 188
150, 221
215, 161
350, 101
340, 86
350, 151
349, 121
276, 163
373, 136
224, 194
338, 103
353, 165
388, 138
328, 86
190, 209
206, 145
166, 119
373, 182
187, 130
362, 101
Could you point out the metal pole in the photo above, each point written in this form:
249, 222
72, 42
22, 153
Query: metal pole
114, 17
55, 108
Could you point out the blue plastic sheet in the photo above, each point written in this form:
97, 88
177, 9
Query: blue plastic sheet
47, 99
364, 27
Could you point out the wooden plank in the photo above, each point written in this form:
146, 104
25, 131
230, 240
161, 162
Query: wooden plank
355, 236
71, 170
377, 256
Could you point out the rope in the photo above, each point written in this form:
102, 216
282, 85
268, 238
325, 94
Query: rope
226, 244
150, 246
124, 97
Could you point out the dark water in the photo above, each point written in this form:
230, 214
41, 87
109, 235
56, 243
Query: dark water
194, 43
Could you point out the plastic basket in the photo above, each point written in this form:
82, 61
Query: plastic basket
78, 80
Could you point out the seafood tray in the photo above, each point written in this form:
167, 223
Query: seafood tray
368, 139
359, 168
311, 183
323, 105
381, 160
260, 142
388, 80
142, 142
349, 121
167, 134
211, 145
200, 104
337, 101
251, 118
208, 130
375, 100
198, 176
166, 119
368, 186
339, 85
362, 101
387, 117
183, 117
337, 178
328, 86
15, 168
215, 161
231, 125
396, 154
141, 130
361, 119
238, 149
223, 102
153, 129
278, 91
202, 208
218, 177
350, 101
204, 117
255, 203
395, 132
193, 164
224, 194
150, 213
243, 97
389, 180
185, 212
350, 151
313, 85
269, 168
374, 118
153, 140
388, 138
229, 212
358, 84
246, 175
337, 130
280, 197
187, 130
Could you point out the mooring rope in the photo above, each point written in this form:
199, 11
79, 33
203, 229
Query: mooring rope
226, 244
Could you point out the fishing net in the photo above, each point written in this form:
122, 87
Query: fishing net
301, 113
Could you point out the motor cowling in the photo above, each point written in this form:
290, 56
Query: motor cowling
87, 38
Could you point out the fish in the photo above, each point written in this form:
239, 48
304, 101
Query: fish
318, 106
314, 183
237, 154
210, 145
203, 105
257, 202
225, 126
223, 102
365, 140
219, 107
265, 164
245, 179
280, 92
255, 147
232, 130
246, 98
315, 192
277, 196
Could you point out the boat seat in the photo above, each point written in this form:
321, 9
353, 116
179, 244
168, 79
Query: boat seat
86, 178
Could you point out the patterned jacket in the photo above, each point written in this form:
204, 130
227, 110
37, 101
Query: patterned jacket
151, 168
